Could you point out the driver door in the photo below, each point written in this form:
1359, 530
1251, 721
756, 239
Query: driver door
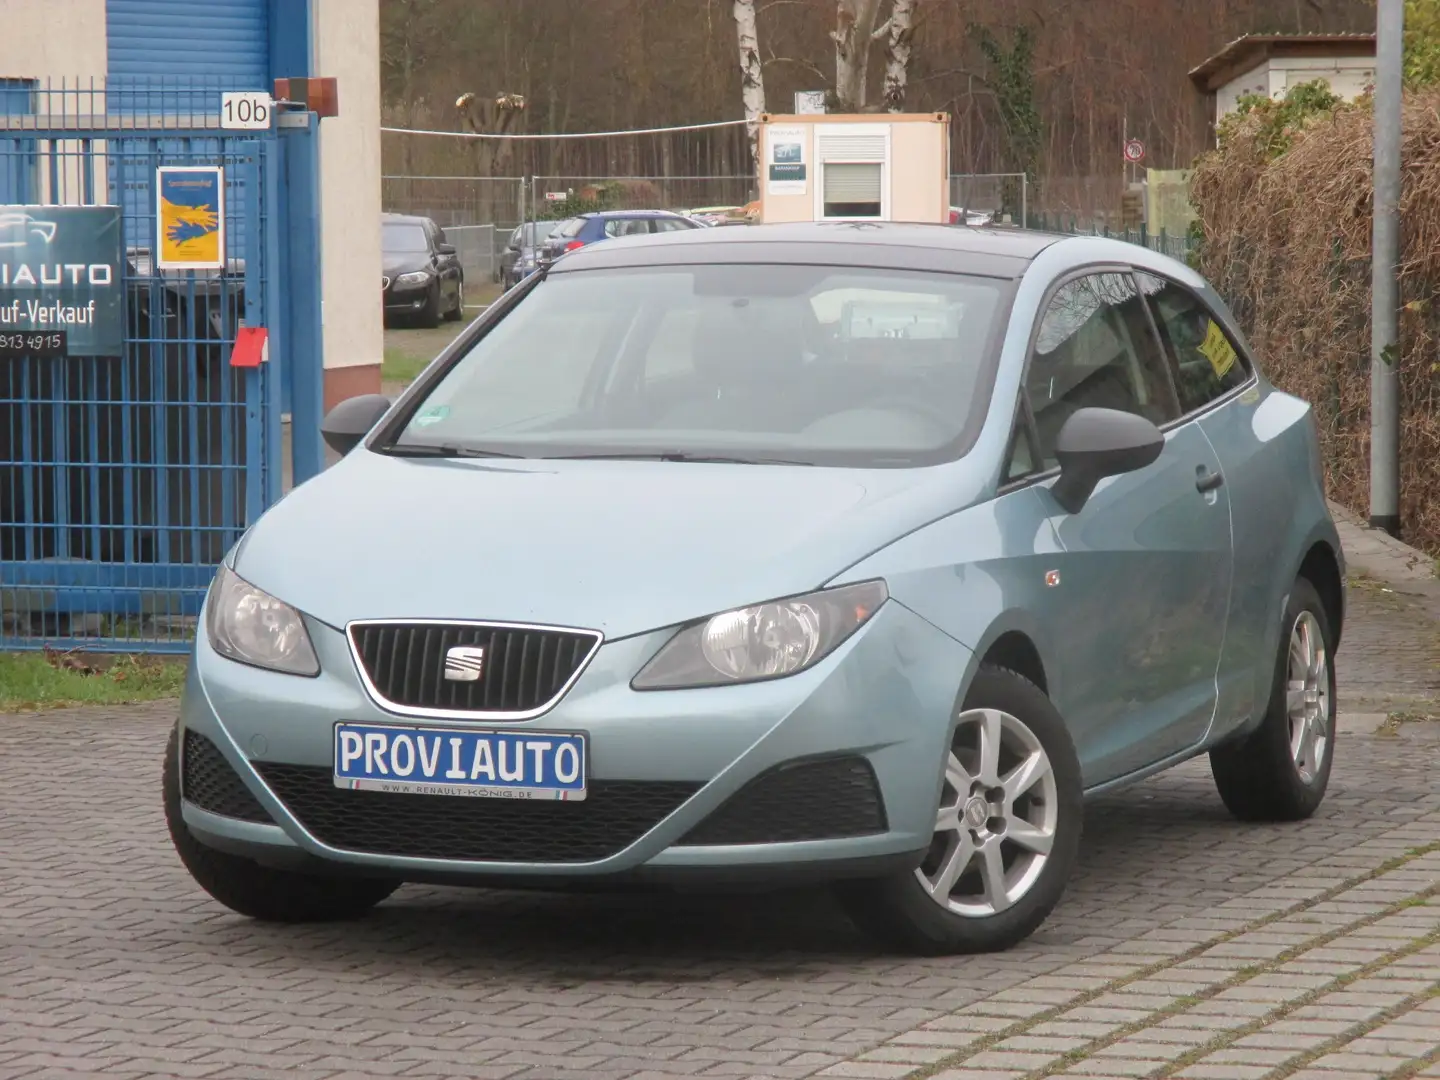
1143, 587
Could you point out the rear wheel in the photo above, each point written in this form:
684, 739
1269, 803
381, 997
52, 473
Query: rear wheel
261, 892
1007, 830
1280, 772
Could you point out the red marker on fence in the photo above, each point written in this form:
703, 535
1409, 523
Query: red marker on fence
252, 347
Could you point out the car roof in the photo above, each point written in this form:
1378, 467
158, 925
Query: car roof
413, 219
988, 251
628, 213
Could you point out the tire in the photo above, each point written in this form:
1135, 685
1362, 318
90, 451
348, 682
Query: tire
429, 316
1274, 774
901, 911
458, 312
262, 892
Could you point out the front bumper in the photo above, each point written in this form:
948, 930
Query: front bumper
398, 299
881, 706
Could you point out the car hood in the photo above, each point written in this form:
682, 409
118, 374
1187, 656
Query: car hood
616, 546
393, 264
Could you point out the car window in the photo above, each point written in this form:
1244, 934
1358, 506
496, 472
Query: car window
515, 236
814, 364
670, 225
1207, 363
570, 228
1095, 349
626, 227
439, 234
403, 238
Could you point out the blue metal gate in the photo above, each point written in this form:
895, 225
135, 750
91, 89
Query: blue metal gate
124, 479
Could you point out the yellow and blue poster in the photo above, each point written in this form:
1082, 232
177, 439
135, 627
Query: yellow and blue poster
190, 217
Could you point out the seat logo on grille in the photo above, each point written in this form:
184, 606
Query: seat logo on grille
464, 663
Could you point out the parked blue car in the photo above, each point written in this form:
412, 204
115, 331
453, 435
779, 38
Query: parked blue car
819, 552
576, 232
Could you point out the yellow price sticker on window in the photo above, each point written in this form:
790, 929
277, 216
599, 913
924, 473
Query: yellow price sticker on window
1217, 349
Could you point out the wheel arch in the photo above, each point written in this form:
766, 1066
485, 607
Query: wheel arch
1321, 567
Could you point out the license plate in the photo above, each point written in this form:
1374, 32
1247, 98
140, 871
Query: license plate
445, 761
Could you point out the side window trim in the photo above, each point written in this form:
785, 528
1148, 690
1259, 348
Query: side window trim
1252, 373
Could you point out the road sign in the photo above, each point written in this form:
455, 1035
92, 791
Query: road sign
809, 102
246, 110
556, 196
1134, 151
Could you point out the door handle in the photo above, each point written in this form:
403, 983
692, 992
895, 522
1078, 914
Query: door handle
1206, 482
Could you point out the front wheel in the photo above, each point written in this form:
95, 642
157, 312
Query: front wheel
1281, 771
262, 892
456, 313
1007, 830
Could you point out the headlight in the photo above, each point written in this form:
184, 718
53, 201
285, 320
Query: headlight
251, 626
416, 277
766, 641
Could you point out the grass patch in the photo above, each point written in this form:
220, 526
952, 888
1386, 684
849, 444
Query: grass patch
50, 680
401, 366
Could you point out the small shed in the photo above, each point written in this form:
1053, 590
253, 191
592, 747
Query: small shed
841, 167
1270, 64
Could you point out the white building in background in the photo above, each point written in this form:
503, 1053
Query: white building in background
1270, 64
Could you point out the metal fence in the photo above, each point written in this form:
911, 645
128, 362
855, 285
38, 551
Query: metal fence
478, 249
127, 469
1005, 196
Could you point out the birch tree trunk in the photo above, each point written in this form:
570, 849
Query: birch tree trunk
899, 33
752, 76
854, 30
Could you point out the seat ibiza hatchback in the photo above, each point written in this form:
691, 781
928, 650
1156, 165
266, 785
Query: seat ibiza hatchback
801, 553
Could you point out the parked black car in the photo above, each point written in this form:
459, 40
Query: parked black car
422, 276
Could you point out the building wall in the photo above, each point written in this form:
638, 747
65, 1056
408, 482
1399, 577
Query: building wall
1348, 76
347, 47
52, 39
1254, 81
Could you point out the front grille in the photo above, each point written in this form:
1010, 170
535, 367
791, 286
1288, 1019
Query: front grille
210, 783
613, 815
524, 669
825, 799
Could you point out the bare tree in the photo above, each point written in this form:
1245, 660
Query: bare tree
490, 116
752, 74
854, 31
899, 31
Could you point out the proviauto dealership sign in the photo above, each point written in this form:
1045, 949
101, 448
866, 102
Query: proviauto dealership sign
60, 286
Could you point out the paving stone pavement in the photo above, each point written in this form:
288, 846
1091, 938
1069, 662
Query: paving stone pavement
1189, 946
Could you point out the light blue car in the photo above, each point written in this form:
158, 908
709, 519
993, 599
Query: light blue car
860, 554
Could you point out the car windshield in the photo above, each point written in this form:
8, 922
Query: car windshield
761, 363
399, 238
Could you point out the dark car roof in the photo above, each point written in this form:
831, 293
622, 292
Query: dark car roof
988, 251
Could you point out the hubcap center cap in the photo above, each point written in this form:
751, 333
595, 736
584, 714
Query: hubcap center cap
977, 812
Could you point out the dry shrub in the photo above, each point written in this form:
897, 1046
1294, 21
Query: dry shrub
1287, 242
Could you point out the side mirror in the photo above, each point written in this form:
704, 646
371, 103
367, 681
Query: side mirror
350, 421
1096, 443
445, 249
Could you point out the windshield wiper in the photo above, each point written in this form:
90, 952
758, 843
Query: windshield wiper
444, 450
721, 459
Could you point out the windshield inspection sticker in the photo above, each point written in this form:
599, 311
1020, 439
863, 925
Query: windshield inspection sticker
432, 415
1217, 349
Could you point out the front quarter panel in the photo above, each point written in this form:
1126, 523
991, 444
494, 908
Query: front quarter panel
978, 574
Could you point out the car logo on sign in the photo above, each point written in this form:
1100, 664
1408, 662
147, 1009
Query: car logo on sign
464, 663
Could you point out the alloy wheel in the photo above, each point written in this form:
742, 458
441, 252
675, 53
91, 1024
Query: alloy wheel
1307, 697
999, 809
